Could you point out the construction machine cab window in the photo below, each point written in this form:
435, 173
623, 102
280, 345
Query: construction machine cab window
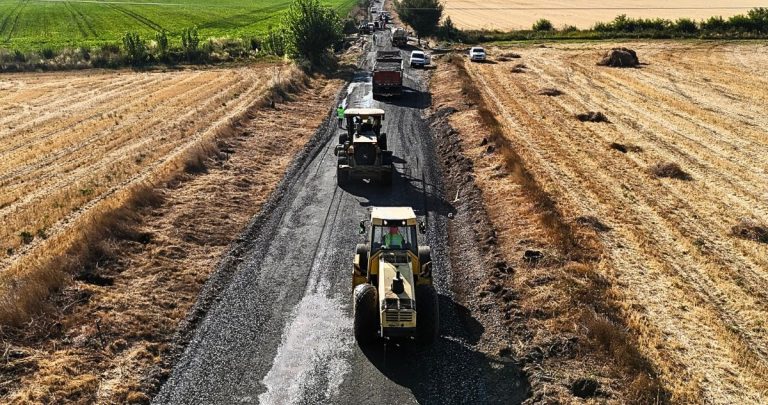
391, 237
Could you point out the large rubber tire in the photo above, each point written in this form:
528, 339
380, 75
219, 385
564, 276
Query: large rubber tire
383, 141
362, 251
425, 255
366, 314
427, 315
386, 179
343, 138
342, 175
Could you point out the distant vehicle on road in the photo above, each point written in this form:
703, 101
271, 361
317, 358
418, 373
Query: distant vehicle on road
362, 150
477, 54
364, 28
419, 59
399, 37
388, 74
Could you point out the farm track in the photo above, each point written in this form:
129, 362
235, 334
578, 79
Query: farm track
89, 143
696, 295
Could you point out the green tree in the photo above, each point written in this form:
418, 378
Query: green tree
162, 45
190, 41
543, 25
311, 30
421, 15
135, 49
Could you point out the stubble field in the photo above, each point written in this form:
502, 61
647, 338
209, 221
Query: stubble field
692, 290
518, 14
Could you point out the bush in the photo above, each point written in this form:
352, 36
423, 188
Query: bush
543, 25
135, 49
255, 43
275, 43
448, 31
311, 29
190, 41
686, 26
19, 56
48, 53
350, 26
162, 45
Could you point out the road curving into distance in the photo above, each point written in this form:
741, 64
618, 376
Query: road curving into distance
280, 332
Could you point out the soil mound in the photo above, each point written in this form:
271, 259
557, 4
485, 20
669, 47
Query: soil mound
620, 57
670, 170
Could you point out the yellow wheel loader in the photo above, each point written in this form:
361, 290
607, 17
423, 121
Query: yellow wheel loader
392, 280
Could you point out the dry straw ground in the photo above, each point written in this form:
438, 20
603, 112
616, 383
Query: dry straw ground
521, 14
107, 336
691, 288
74, 146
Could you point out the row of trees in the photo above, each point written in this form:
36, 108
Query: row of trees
754, 22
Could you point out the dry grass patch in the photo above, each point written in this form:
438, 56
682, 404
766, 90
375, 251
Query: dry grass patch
669, 170
751, 230
592, 116
625, 148
551, 92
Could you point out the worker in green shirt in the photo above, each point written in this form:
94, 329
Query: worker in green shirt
340, 114
393, 239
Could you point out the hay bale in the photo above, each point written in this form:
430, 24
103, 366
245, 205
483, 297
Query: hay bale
592, 116
549, 92
620, 58
670, 170
751, 230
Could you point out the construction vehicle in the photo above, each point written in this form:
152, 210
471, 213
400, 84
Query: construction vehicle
392, 280
399, 37
362, 150
388, 74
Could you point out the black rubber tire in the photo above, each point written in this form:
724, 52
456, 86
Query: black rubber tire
342, 175
386, 158
362, 251
366, 314
343, 138
425, 255
427, 314
383, 142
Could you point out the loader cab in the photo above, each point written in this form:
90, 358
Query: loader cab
364, 121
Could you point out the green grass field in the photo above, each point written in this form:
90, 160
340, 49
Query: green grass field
35, 24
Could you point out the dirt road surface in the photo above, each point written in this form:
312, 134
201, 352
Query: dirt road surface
281, 331
694, 292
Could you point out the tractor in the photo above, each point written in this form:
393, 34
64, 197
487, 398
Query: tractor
362, 150
392, 280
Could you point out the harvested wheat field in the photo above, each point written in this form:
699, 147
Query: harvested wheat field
674, 182
73, 145
518, 14
108, 336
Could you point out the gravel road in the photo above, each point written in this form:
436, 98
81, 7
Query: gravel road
280, 332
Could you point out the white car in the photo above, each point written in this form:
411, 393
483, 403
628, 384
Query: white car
477, 54
419, 59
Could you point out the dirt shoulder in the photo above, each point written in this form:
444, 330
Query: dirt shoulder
109, 338
539, 291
